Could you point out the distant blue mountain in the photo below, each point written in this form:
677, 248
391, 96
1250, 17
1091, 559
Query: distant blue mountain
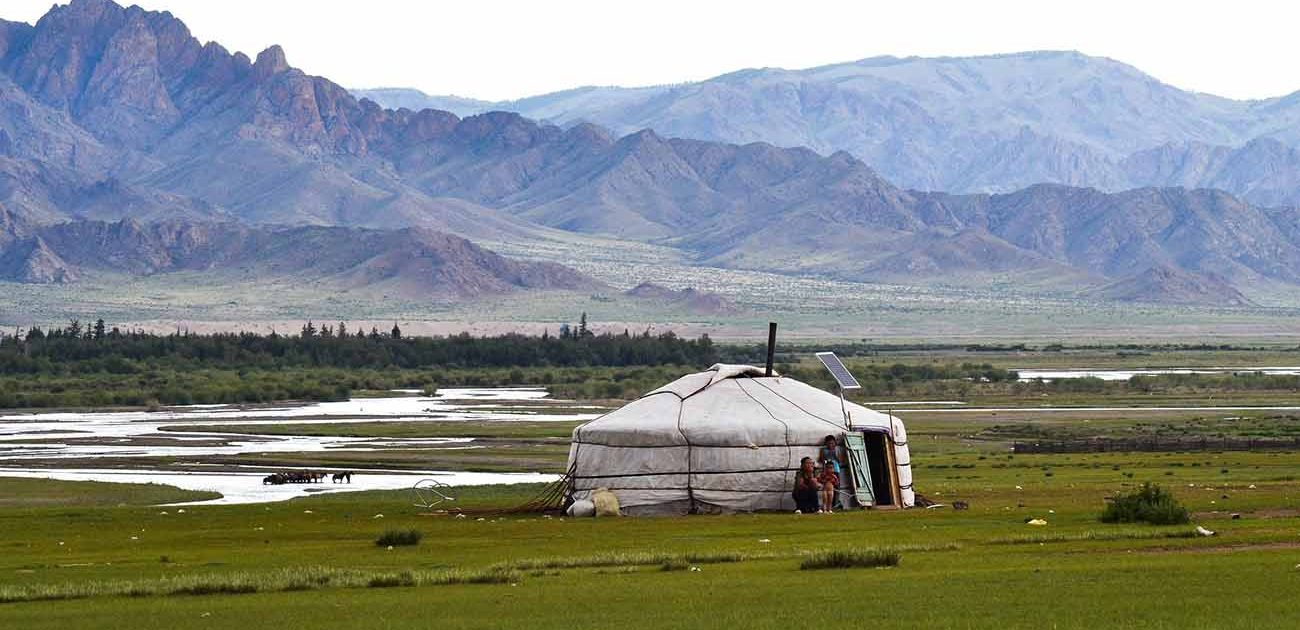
975, 124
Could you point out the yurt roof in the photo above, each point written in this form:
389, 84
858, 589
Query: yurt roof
709, 401
815, 402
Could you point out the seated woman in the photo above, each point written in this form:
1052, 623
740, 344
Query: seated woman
806, 487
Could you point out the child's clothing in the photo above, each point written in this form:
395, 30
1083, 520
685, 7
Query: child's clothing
832, 456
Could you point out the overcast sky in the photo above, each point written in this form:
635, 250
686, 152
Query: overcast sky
504, 49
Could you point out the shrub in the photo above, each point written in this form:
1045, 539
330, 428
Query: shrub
399, 538
1148, 504
851, 558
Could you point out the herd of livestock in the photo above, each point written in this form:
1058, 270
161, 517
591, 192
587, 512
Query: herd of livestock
305, 476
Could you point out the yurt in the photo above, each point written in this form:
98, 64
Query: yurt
730, 440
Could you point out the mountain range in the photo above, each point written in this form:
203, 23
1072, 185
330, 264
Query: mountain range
410, 262
119, 131
960, 124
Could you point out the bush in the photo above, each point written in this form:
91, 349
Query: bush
851, 558
1148, 504
399, 538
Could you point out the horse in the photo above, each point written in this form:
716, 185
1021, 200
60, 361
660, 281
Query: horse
342, 476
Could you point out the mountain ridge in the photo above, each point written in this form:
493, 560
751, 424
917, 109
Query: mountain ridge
414, 263
217, 138
991, 123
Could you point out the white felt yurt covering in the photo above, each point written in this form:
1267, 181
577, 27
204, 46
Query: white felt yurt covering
725, 440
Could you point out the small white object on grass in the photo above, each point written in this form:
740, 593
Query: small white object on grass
1019, 488
163, 513
764, 540
1037, 521
307, 512
390, 547
180, 511
460, 516
1204, 532
378, 516
695, 569
480, 519
1252, 486
135, 538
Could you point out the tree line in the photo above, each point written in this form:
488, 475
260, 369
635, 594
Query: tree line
98, 348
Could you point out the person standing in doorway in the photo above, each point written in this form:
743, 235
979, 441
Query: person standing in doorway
832, 466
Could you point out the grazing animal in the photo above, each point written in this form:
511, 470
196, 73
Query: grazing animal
296, 476
342, 476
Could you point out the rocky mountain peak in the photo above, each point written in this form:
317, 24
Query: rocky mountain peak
270, 62
13, 35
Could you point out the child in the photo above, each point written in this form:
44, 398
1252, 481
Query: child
832, 463
830, 480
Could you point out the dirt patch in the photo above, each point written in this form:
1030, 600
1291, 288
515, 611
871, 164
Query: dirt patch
1257, 514
1272, 546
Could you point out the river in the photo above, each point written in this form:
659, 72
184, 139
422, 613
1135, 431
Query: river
128, 434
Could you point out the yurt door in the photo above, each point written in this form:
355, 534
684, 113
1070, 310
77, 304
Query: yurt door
859, 468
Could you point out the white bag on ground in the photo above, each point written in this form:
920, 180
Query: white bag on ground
582, 507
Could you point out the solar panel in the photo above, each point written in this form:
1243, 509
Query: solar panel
837, 369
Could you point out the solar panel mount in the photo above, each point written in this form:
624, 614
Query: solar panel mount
837, 369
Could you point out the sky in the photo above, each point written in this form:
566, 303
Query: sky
497, 49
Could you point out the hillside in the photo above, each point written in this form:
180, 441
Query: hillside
962, 124
690, 299
411, 262
1161, 284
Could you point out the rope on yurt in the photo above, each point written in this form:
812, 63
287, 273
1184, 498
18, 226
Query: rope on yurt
690, 489
838, 425
789, 452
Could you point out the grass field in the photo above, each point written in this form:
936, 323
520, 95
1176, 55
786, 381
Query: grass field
313, 562
86, 555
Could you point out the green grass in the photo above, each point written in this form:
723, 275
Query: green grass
266, 564
512, 431
1093, 534
243, 583
31, 493
313, 562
